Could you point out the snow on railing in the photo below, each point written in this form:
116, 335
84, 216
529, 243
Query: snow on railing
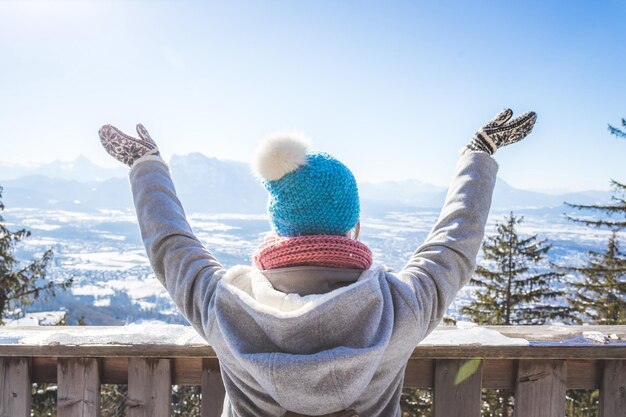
538, 362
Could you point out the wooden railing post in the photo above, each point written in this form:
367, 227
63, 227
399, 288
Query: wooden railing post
15, 387
78, 387
451, 400
540, 388
613, 389
149, 387
212, 388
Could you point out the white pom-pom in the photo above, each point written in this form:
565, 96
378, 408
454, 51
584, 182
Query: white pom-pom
279, 154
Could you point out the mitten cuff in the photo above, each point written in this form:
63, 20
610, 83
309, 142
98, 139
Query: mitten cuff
148, 157
482, 156
466, 149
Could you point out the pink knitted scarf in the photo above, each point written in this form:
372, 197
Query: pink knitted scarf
322, 250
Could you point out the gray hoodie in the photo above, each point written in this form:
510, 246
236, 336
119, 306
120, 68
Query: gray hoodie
314, 340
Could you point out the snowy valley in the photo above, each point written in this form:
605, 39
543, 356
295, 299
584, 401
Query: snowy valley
92, 229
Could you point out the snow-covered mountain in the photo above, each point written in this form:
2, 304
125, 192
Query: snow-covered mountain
409, 193
80, 169
41, 192
210, 185
203, 184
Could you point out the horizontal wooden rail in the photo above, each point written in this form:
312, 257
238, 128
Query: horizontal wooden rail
446, 342
497, 373
538, 363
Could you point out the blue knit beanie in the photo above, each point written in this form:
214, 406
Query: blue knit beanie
310, 193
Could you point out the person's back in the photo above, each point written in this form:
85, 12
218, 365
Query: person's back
314, 326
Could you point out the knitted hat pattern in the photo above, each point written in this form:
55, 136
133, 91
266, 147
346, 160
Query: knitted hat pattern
309, 193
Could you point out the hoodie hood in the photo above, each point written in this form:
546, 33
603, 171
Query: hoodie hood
328, 345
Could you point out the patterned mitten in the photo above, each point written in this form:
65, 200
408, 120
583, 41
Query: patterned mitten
124, 148
499, 133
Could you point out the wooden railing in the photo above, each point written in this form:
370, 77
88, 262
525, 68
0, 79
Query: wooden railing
539, 363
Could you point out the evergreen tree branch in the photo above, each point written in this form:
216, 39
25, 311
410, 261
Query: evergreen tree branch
617, 132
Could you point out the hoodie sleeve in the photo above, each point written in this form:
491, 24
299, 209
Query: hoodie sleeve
188, 271
446, 260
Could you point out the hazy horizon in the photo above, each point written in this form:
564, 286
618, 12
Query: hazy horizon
120, 171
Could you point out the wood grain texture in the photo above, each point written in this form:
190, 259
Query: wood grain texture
613, 389
450, 400
149, 387
43, 369
114, 370
540, 390
213, 391
419, 373
78, 387
597, 351
187, 371
584, 374
15, 387
499, 373
522, 352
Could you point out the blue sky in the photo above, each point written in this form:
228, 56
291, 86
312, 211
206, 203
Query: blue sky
393, 89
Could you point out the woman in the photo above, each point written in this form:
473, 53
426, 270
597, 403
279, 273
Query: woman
314, 327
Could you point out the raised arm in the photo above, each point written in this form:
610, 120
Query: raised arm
180, 262
444, 263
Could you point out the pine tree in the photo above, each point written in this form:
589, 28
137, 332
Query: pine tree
113, 400
186, 400
21, 284
600, 297
618, 132
513, 291
416, 402
616, 209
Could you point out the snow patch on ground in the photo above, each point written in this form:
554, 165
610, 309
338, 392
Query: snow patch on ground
138, 288
473, 335
145, 305
94, 290
166, 334
42, 318
132, 334
108, 261
102, 302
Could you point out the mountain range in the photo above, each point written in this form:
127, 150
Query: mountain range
211, 185
81, 169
